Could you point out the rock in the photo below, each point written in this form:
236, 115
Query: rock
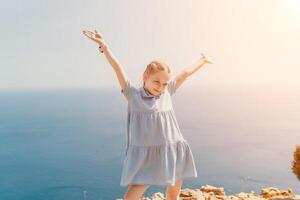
189, 194
247, 196
297, 197
158, 196
232, 197
209, 192
216, 190
146, 198
274, 193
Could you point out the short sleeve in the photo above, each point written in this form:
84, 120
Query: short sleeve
128, 90
171, 86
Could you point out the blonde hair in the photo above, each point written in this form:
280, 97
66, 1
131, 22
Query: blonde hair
155, 66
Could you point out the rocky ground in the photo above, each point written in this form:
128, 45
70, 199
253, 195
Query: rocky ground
209, 192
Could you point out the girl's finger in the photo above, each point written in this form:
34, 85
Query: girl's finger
89, 32
86, 34
89, 36
92, 36
98, 34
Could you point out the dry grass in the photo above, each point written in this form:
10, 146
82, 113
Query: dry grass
296, 162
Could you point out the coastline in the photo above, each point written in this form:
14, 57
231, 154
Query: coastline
209, 192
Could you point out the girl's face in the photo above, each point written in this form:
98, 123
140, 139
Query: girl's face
156, 83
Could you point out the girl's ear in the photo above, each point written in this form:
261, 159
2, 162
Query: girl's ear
145, 76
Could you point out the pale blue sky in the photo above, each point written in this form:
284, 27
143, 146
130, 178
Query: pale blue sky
251, 42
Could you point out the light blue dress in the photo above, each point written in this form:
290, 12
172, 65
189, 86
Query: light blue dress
156, 152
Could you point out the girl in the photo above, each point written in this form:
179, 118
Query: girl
156, 152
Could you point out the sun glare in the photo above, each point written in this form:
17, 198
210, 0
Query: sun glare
290, 9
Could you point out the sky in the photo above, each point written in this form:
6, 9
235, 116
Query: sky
252, 43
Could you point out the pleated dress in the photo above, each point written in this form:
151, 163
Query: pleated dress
156, 152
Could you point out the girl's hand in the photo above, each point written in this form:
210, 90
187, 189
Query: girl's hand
96, 37
205, 59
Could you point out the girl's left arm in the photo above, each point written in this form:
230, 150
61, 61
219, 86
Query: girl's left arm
182, 76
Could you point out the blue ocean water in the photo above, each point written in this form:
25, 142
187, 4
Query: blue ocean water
69, 143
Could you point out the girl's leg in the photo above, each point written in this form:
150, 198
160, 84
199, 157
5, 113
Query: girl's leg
135, 192
172, 192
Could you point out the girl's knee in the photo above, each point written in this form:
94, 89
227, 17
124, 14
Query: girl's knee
135, 192
176, 186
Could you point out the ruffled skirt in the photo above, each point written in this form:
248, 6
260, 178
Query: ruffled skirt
160, 165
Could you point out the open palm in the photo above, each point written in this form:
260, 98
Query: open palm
206, 60
95, 36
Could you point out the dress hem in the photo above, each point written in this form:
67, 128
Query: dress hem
157, 184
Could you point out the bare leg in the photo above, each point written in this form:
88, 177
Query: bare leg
135, 192
172, 192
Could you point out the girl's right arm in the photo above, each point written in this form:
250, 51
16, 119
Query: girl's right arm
121, 75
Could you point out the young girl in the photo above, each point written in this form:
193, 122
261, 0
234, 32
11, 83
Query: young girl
156, 152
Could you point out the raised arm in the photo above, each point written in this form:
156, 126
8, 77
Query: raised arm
103, 48
184, 74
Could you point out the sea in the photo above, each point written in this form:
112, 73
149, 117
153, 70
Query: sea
68, 144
